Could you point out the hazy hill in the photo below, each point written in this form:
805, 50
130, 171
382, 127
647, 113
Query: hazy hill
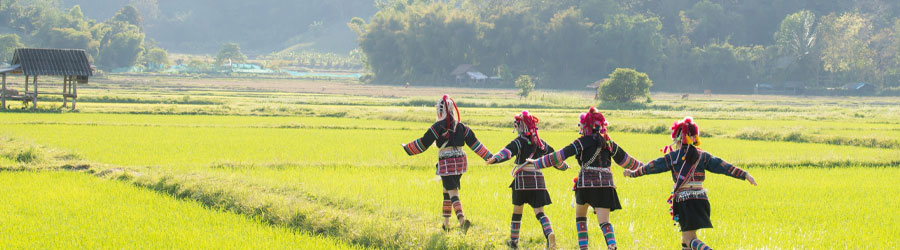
260, 26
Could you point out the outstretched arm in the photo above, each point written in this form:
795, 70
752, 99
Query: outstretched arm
504, 155
420, 145
623, 159
557, 159
561, 167
476, 145
719, 166
654, 167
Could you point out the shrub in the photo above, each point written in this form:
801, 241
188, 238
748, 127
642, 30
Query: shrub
625, 85
525, 85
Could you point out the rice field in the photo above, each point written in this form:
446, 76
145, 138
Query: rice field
64, 210
328, 166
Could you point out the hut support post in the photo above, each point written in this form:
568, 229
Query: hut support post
3, 94
34, 100
65, 90
26, 84
74, 94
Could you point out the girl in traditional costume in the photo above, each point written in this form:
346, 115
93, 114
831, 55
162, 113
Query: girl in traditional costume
449, 134
594, 186
528, 184
688, 165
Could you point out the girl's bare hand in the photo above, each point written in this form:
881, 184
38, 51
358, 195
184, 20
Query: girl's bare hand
751, 180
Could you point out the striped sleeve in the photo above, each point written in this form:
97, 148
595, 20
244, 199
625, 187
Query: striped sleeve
719, 166
476, 145
653, 167
511, 149
623, 159
420, 145
562, 166
556, 159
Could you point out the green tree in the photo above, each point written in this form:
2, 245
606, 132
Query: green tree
121, 45
567, 39
230, 52
708, 22
797, 39
629, 41
719, 67
8, 45
76, 13
846, 46
525, 85
129, 14
625, 85
357, 25
156, 58
886, 47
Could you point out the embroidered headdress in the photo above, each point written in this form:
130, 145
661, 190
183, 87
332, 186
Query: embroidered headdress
448, 112
593, 123
526, 126
684, 132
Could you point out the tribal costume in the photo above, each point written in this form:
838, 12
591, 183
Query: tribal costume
450, 135
528, 184
595, 153
690, 202
688, 166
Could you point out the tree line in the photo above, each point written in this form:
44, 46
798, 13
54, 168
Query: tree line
115, 43
259, 26
683, 45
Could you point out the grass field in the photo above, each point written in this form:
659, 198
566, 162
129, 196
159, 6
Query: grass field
59, 210
329, 163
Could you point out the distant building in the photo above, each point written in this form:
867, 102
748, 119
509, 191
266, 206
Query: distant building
786, 88
596, 86
70, 64
468, 73
859, 88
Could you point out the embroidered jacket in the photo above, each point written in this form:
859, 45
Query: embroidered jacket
700, 161
523, 149
451, 157
594, 157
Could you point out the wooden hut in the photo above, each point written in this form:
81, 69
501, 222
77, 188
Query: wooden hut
71, 64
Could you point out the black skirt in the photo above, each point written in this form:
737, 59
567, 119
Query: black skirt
535, 198
692, 214
598, 197
451, 182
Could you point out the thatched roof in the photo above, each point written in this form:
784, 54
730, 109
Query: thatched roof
597, 84
55, 62
462, 69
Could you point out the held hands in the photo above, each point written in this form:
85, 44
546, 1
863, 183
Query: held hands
532, 161
490, 161
629, 173
751, 180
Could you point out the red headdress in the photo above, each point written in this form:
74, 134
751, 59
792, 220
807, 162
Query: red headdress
593, 123
684, 132
447, 111
526, 125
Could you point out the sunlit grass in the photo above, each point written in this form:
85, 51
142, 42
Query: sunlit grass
59, 210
